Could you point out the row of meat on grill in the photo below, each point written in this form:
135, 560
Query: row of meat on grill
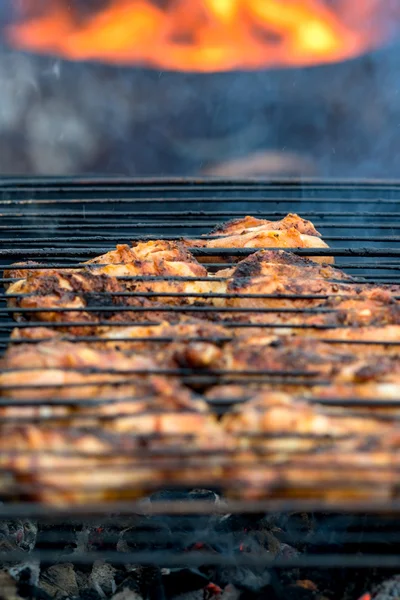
119, 372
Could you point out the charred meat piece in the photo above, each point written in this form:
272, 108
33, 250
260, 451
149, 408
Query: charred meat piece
72, 293
283, 273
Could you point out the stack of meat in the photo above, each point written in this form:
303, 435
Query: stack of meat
115, 381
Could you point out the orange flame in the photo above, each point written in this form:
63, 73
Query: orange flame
201, 35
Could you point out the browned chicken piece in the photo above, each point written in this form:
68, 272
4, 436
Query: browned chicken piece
377, 339
36, 334
352, 452
301, 366
276, 412
76, 291
129, 390
376, 391
59, 465
303, 356
146, 339
282, 263
290, 232
79, 291
283, 273
19, 271
211, 351
246, 224
330, 475
159, 259
162, 340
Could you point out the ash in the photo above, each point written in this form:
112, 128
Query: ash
78, 560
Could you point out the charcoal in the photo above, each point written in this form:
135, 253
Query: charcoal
244, 578
18, 534
388, 590
60, 538
102, 579
230, 593
147, 534
27, 587
146, 581
59, 581
193, 595
127, 594
8, 587
89, 594
181, 581
26, 572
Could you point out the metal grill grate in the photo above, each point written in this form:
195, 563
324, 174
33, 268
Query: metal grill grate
61, 224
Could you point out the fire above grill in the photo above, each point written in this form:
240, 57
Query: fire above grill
207, 35
196, 529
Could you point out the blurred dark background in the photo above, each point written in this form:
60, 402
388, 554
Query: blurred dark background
63, 117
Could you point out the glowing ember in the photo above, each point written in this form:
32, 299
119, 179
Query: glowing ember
202, 35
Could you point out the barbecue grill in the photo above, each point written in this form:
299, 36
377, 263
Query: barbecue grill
64, 222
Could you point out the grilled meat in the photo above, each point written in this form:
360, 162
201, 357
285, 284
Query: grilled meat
112, 416
151, 259
127, 390
283, 273
159, 258
73, 293
290, 232
62, 465
248, 224
275, 412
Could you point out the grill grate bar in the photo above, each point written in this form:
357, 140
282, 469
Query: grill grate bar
60, 227
125, 239
230, 324
83, 402
90, 422
93, 266
240, 252
194, 295
181, 371
92, 511
169, 559
4, 341
195, 379
177, 309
